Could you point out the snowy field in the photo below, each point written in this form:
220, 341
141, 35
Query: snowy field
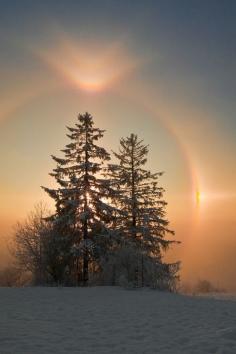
113, 320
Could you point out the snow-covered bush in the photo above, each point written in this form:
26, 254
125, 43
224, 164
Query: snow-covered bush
130, 268
204, 286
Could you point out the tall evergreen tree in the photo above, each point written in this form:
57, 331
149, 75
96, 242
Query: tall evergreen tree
144, 223
82, 215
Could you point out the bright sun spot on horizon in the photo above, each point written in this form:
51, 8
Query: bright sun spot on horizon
200, 197
212, 196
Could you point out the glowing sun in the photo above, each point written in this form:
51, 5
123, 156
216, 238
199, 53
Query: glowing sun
90, 66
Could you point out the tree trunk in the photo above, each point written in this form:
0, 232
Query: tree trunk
133, 194
85, 235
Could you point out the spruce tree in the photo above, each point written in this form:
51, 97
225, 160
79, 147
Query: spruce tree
82, 217
144, 223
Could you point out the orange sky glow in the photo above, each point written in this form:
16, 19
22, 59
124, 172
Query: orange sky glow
126, 91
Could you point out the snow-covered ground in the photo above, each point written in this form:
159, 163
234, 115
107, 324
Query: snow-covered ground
113, 320
219, 296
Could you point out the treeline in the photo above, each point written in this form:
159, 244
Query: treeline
109, 226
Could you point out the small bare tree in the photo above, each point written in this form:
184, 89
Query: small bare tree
30, 243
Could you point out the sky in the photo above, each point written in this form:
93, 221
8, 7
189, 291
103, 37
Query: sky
164, 70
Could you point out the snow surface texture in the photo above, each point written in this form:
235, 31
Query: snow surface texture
113, 320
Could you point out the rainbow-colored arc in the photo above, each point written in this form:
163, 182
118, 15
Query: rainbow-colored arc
79, 67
